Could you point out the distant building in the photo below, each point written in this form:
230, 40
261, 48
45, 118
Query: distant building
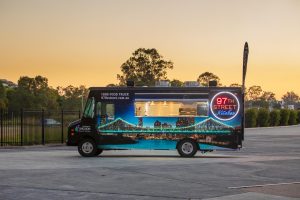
291, 105
157, 124
294, 106
7, 83
166, 125
185, 121
140, 123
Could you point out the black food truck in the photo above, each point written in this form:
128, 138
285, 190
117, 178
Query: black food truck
184, 118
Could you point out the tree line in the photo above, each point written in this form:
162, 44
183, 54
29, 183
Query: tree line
144, 67
35, 93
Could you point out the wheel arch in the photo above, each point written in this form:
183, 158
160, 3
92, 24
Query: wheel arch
84, 137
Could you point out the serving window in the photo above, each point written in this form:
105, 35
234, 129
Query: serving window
167, 108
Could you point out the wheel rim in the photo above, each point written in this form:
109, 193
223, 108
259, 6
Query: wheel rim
187, 148
87, 147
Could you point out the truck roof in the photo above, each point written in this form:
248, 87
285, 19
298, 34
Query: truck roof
139, 88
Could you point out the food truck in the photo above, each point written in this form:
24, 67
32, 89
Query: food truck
184, 118
188, 119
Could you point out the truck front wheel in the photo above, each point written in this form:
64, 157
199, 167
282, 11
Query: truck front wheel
87, 148
187, 148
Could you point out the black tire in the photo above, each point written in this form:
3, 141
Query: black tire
87, 148
187, 148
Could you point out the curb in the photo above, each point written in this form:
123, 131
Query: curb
298, 125
39, 146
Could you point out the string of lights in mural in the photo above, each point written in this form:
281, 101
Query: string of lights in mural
207, 126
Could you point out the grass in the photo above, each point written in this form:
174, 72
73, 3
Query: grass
10, 131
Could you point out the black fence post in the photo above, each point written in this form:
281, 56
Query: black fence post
43, 127
21, 132
62, 126
1, 124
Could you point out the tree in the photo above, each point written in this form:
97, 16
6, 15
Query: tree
176, 83
268, 96
274, 118
72, 98
251, 117
111, 85
254, 92
205, 77
3, 99
293, 117
290, 98
263, 117
256, 97
144, 67
26, 83
22, 96
284, 117
33, 93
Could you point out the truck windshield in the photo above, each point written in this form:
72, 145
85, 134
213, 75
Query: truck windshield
89, 108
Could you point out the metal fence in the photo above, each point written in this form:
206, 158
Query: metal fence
32, 127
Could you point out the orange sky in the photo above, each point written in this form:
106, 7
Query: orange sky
85, 42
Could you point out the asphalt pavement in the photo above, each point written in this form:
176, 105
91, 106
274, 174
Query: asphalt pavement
267, 167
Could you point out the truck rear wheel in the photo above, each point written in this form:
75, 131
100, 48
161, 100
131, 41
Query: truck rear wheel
87, 148
187, 148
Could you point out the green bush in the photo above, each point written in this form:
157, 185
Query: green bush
298, 117
284, 117
250, 117
263, 116
293, 117
274, 118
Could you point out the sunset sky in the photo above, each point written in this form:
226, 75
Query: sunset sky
74, 42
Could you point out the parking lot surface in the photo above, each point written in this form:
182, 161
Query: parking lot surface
267, 167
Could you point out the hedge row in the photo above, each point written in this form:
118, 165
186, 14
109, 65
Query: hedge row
262, 117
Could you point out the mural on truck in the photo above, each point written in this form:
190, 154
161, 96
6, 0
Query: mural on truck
158, 121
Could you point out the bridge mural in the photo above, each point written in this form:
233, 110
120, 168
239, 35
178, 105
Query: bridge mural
207, 126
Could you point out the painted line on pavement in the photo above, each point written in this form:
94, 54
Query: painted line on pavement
264, 185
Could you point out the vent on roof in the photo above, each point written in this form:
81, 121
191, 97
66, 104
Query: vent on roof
162, 83
191, 84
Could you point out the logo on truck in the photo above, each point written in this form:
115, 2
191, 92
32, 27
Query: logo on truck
224, 106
